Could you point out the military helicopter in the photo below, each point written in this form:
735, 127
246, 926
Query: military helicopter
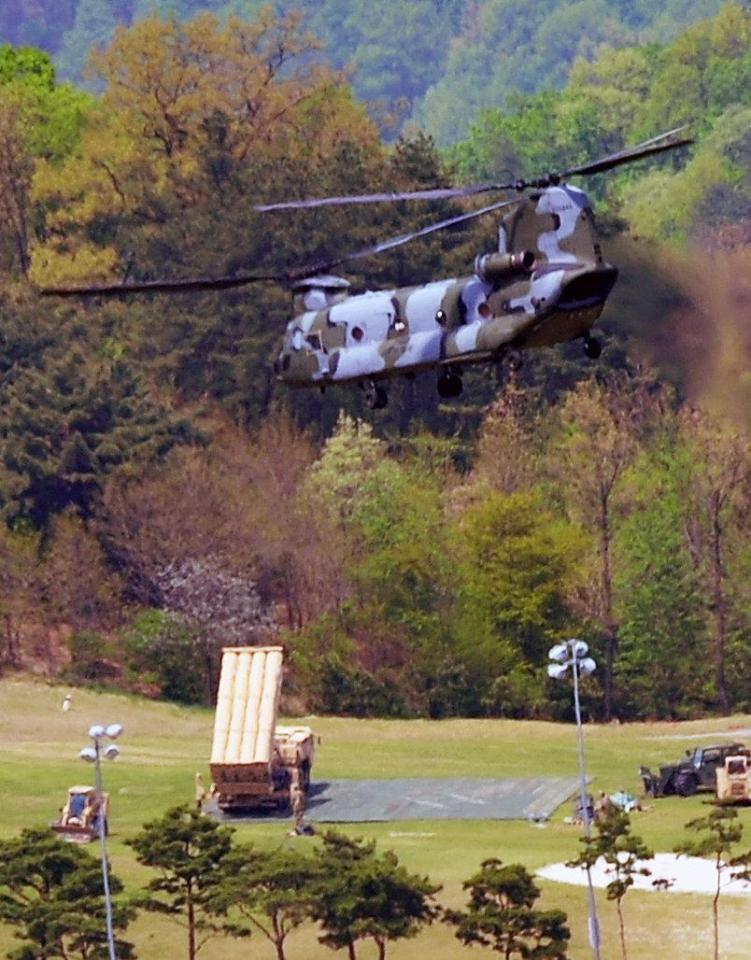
545, 284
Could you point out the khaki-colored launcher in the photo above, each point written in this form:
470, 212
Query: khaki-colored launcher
253, 760
733, 782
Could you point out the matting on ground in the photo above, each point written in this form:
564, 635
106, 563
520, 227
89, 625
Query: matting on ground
362, 801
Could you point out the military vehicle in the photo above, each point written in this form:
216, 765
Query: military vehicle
733, 784
696, 772
252, 759
545, 284
80, 817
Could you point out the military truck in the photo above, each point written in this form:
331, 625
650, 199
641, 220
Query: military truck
253, 760
80, 817
697, 771
733, 783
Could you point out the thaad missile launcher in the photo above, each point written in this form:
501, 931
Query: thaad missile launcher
253, 761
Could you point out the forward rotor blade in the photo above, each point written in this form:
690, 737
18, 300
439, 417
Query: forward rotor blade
440, 193
393, 242
159, 286
648, 148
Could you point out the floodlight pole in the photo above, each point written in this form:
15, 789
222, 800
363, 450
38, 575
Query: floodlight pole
97, 734
594, 927
573, 653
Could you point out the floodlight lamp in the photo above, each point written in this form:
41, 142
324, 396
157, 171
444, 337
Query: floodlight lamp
559, 652
96, 731
114, 730
88, 754
557, 670
579, 649
112, 752
587, 666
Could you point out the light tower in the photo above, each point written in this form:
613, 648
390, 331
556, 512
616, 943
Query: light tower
573, 654
98, 734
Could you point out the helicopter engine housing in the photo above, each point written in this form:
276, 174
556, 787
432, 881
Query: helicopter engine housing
496, 267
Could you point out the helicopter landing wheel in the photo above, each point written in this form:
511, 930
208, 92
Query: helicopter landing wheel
449, 385
592, 347
375, 396
515, 360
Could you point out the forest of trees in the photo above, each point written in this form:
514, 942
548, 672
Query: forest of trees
439, 61
162, 495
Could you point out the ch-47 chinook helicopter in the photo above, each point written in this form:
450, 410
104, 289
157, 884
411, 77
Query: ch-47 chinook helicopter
545, 284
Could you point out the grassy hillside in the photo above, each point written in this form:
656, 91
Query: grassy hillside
164, 745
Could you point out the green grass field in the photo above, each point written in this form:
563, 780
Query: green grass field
163, 746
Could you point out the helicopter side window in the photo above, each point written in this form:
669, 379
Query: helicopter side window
357, 333
398, 325
315, 299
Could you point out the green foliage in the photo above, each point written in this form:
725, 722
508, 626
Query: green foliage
272, 892
345, 690
188, 850
53, 114
713, 187
618, 95
88, 652
72, 418
517, 560
160, 651
25, 64
662, 635
363, 895
718, 833
501, 915
441, 58
51, 893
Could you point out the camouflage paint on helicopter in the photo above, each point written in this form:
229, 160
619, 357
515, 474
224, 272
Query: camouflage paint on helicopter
546, 284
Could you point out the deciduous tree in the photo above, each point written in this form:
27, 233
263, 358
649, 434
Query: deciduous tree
596, 444
716, 490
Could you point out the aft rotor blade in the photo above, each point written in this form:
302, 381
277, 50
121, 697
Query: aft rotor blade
159, 286
646, 149
438, 193
402, 239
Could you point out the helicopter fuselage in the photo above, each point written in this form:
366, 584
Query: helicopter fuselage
547, 284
